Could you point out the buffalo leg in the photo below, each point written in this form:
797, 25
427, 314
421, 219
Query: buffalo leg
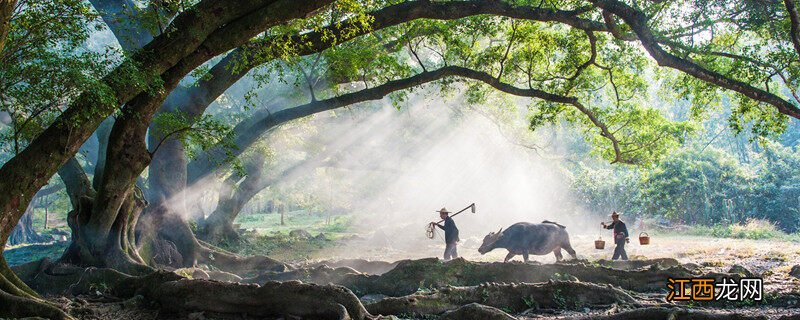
557, 252
509, 256
571, 251
525, 256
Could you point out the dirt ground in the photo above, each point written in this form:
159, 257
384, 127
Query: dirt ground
758, 256
770, 259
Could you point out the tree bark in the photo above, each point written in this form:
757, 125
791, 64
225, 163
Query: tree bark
187, 36
637, 20
103, 231
219, 225
18, 300
128, 154
6, 11
249, 131
124, 19
24, 231
29, 170
229, 70
794, 23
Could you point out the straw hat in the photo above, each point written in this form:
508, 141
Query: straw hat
614, 213
443, 210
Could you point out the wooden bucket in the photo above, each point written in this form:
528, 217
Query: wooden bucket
644, 238
599, 244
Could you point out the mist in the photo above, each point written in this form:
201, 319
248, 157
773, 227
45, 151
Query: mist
393, 168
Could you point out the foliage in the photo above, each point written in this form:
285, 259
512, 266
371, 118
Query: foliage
199, 134
693, 186
44, 65
704, 186
753, 229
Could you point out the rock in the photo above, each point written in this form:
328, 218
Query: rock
300, 234
223, 276
795, 272
475, 311
738, 269
564, 277
192, 273
692, 266
321, 237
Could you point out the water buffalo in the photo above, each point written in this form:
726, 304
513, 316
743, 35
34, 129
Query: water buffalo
528, 238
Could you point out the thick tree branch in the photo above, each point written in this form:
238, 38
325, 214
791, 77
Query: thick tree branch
637, 20
125, 20
237, 63
6, 11
27, 172
248, 132
794, 20
128, 154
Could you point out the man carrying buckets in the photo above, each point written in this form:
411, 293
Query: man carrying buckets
620, 236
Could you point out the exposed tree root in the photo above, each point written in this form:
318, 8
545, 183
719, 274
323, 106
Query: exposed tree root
216, 229
407, 277
233, 263
345, 276
19, 301
361, 265
272, 299
475, 311
658, 313
176, 294
515, 297
635, 264
63, 279
23, 307
197, 273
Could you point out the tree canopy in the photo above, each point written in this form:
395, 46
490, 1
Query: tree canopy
609, 68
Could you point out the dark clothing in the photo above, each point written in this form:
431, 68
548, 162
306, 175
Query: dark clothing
450, 231
451, 251
619, 250
450, 238
620, 230
620, 236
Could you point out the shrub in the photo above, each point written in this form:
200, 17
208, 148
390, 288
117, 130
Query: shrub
755, 229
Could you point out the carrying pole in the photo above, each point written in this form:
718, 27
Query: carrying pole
429, 231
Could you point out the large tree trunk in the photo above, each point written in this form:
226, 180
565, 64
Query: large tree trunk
208, 29
18, 300
24, 231
219, 225
128, 154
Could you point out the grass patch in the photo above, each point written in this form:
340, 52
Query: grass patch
776, 256
333, 227
753, 229
280, 246
21, 254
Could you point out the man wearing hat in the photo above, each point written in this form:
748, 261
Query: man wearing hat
620, 236
450, 234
